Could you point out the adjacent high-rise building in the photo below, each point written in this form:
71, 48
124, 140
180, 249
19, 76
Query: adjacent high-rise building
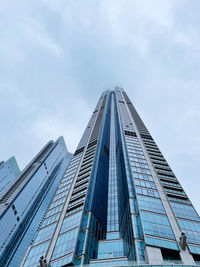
118, 201
23, 205
9, 170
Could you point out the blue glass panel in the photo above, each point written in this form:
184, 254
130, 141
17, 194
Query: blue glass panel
71, 222
112, 235
45, 233
84, 220
35, 254
191, 229
157, 225
111, 249
145, 184
91, 247
50, 220
194, 249
150, 204
133, 206
147, 192
142, 176
62, 262
141, 247
138, 227
80, 242
185, 211
65, 244
162, 243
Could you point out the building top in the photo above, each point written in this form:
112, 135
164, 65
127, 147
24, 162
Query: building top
9, 171
14, 165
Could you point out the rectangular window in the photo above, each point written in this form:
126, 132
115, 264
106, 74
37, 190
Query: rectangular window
54, 211
157, 225
45, 234
147, 192
50, 220
35, 254
142, 176
191, 229
161, 243
194, 249
145, 184
65, 244
71, 222
151, 204
185, 211
110, 249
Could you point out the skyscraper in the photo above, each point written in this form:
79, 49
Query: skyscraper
24, 203
118, 201
9, 170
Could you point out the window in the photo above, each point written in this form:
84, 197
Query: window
74, 209
50, 220
138, 227
60, 195
170, 183
150, 204
62, 262
133, 205
112, 235
191, 229
142, 176
54, 211
91, 247
194, 249
174, 191
147, 192
179, 199
71, 222
57, 203
185, 211
161, 243
139, 164
157, 225
45, 233
110, 249
144, 171
145, 184
141, 246
75, 202
35, 254
65, 244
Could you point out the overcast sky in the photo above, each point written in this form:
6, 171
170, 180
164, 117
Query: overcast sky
56, 58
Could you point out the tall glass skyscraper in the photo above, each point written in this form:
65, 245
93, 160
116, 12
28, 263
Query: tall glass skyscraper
118, 202
23, 205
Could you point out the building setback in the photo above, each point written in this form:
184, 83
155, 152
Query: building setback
118, 201
24, 203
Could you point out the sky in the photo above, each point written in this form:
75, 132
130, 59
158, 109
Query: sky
57, 57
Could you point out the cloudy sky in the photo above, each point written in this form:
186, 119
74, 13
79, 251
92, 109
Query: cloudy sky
56, 58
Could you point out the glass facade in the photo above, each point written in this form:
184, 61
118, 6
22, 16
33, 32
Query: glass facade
118, 202
27, 200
